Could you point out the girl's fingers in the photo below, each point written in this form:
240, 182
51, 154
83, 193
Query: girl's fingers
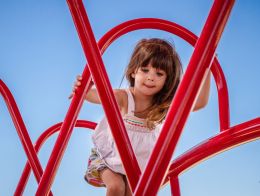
77, 83
71, 95
79, 77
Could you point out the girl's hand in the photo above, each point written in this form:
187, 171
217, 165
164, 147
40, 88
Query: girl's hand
77, 83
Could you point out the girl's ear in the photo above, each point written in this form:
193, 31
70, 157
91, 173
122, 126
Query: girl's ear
133, 75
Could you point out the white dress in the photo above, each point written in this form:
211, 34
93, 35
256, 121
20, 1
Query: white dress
142, 139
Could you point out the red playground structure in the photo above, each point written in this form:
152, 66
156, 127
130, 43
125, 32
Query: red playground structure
159, 170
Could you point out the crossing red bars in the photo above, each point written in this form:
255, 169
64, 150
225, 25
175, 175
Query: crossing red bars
181, 106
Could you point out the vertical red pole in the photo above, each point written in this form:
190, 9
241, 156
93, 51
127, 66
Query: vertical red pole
104, 88
198, 67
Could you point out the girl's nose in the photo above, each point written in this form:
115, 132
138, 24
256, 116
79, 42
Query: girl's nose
150, 77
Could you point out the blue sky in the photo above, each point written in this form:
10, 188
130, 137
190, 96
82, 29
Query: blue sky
41, 56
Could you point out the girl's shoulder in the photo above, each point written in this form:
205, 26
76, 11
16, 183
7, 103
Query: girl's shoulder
122, 99
120, 93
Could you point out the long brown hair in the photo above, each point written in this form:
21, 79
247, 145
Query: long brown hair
162, 55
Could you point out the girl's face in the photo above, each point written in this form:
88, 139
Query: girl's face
149, 80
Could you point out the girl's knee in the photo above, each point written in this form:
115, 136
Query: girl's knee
114, 182
116, 189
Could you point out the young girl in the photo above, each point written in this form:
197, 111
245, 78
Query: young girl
154, 72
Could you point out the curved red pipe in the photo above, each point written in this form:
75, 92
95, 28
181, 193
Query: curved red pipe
43, 137
22, 131
230, 138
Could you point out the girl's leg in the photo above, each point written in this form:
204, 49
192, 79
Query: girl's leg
114, 182
128, 191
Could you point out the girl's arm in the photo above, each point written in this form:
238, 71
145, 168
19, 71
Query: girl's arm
93, 97
203, 96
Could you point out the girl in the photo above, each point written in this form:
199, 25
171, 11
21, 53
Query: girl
154, 72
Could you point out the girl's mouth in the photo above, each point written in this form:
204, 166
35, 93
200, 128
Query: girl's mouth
149, 86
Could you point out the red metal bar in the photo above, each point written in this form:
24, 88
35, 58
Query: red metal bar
22, 131
230, 138
40, 141
65, 133
105, 91
175, 186
200, 62
224, 114
145, 23
234, 136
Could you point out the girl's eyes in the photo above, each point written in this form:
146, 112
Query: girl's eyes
145, 70
158, 73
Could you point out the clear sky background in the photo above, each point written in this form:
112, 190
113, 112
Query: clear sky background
40, 56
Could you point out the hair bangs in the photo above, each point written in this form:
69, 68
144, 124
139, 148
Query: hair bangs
161, 61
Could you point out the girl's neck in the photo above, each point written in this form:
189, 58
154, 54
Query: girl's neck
142, 102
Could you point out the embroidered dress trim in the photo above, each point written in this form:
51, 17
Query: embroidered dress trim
135, 123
